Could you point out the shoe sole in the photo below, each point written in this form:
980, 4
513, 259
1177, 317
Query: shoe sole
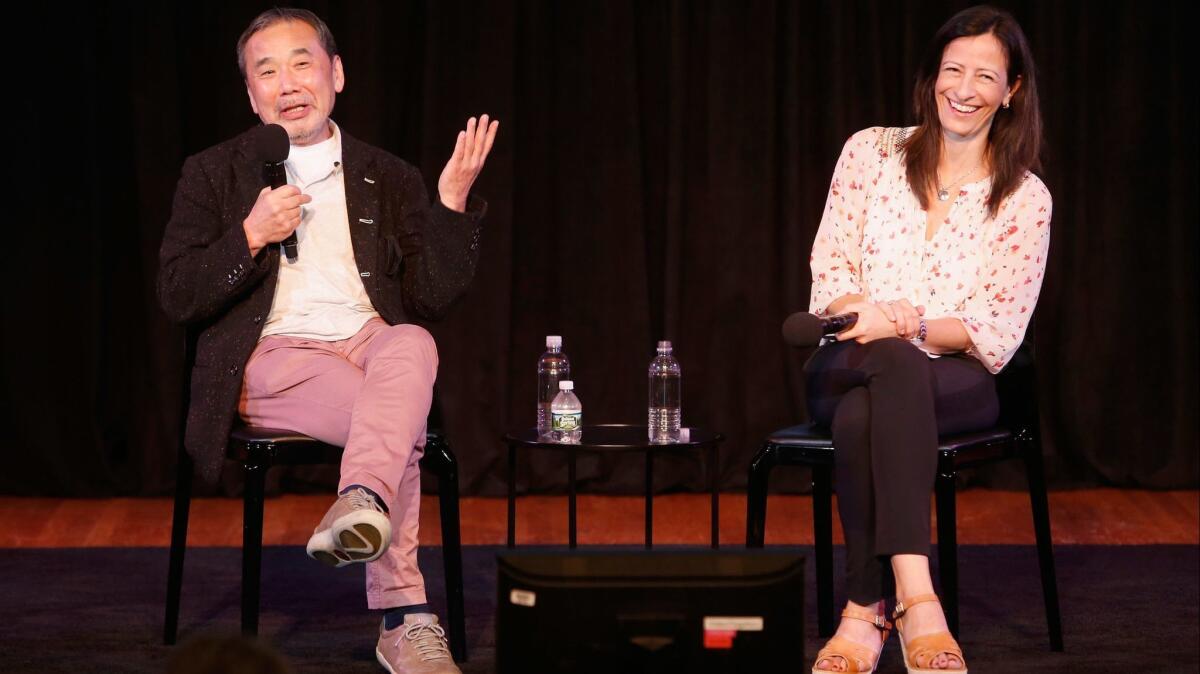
383, 661
356, 541
834, 671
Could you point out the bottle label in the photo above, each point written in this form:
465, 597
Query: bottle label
567, 421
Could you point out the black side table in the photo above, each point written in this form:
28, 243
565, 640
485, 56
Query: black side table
614, 438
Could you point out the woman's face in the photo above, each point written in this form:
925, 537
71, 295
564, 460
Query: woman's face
971, 86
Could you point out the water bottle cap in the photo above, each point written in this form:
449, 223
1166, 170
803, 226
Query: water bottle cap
664, 344
566, 385
553, 340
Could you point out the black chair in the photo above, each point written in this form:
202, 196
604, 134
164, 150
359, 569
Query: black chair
257, 449
1015, 436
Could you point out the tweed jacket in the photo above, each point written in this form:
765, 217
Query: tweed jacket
415, 259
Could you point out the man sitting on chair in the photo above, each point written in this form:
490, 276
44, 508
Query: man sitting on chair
321, 342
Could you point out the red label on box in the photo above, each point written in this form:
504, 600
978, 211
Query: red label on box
722, 639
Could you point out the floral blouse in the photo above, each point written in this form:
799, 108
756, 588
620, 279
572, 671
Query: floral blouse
985, 272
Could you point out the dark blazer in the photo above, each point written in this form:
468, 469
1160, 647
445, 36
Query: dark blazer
415, 261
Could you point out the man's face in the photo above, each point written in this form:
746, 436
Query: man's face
291, 81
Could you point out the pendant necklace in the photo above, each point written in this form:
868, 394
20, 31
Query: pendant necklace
943, 193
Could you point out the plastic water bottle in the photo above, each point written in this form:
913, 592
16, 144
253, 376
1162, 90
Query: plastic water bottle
665, 395
553, 367
566, 414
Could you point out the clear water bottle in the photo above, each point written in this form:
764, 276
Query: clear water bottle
665, 395
553, 367
566, 414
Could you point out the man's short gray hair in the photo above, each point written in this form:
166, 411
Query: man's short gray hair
275, 15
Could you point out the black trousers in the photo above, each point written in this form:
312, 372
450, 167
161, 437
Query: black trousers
886, 402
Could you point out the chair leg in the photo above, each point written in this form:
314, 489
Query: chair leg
947, 533
252, 522
648, 538
714, 499
822, 486
447, 472
1041, 526
511, 540
179, 527
756, 495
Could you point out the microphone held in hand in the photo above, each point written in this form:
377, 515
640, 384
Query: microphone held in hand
272, 146
805, 329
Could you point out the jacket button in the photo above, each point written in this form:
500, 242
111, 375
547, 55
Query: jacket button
233, 369
258, 318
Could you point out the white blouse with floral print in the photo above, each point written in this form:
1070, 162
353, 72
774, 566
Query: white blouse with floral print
986, 272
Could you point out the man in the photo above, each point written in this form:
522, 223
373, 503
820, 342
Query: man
322, 343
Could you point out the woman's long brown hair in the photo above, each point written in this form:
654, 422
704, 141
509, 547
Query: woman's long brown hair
1015, 139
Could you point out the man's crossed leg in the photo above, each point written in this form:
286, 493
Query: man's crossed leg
371, 394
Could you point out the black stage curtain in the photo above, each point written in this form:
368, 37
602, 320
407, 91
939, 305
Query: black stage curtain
660, 173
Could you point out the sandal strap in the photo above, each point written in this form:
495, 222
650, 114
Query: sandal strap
881, 623
852, 652
924, 649
903, 605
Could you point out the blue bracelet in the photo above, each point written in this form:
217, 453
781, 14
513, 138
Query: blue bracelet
922, 332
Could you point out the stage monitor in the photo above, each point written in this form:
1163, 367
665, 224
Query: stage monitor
649, 611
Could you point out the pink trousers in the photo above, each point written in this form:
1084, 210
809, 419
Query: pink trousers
370, 394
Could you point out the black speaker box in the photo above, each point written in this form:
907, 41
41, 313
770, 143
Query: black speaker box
650, 611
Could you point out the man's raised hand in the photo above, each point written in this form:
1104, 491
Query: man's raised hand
470, 152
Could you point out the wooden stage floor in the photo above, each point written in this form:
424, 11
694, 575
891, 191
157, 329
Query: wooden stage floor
1085, 516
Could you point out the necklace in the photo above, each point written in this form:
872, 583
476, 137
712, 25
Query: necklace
943, 193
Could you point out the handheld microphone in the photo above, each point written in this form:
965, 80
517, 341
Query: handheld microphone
272, 145
805, 329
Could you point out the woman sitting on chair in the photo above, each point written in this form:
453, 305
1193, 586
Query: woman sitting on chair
936, 236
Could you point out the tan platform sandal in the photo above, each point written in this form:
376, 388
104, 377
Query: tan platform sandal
925, 648
858, 658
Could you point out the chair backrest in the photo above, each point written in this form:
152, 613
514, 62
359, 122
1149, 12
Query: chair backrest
1016, 386
434, 424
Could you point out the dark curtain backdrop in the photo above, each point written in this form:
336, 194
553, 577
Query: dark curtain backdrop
660, 173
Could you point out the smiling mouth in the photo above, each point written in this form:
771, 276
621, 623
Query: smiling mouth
962, 107
294, 111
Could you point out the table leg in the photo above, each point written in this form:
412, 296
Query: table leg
822, 490
571, 494
649, 497
512, 495
713, 456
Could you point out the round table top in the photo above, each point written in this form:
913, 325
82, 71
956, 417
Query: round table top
616, 436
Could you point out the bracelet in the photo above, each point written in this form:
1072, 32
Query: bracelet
922, 332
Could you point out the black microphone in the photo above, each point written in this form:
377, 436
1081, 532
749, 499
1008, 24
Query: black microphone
272, 144
805, 329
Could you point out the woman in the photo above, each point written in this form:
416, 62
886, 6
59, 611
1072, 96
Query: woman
936, 236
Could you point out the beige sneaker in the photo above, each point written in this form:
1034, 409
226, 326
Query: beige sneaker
417, 647
356, 529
